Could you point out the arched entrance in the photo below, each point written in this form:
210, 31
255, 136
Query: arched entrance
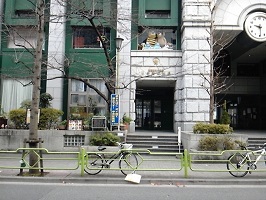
246, 69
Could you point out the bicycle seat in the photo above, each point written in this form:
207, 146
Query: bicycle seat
101, 148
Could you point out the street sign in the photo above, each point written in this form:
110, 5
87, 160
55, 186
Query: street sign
114, 109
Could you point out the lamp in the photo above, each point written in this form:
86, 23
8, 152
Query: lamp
118, 43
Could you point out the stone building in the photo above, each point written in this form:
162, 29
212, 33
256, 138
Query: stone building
164, 62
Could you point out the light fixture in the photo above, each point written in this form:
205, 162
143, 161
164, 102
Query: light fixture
118, 43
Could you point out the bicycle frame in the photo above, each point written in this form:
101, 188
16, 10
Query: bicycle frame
247, 156
110, 160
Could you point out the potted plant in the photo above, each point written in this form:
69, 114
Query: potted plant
125, 122
62, 125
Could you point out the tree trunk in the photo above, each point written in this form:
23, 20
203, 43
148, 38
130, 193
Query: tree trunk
33, 128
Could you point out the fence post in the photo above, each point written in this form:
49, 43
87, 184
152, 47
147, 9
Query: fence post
82, 160
185, 161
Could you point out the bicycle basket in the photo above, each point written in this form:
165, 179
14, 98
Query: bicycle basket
127, 146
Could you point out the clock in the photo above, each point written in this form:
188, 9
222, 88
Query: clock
255, 26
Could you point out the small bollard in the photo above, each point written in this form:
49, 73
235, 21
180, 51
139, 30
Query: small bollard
22, 164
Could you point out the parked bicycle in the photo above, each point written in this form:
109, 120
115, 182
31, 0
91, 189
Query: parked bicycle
127, 161
239, 164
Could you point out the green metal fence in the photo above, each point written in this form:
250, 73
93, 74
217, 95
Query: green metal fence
147, 160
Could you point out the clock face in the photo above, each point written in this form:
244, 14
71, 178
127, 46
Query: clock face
255, 26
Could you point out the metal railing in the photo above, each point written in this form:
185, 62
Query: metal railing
147, 160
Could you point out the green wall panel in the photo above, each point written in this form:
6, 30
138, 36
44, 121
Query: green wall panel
17, 64
88, 64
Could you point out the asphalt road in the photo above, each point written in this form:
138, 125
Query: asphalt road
56, 191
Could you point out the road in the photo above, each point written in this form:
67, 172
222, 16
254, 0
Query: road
55, 191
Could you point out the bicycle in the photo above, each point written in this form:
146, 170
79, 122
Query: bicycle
127, 161
240, 164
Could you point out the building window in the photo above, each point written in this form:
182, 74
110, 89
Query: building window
25, 8
22, 37
85, 100
74, 140
92, 7
86, 37
158, 14
157, 38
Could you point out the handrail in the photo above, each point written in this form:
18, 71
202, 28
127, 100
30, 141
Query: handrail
148, 160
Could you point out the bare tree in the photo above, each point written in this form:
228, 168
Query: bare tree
216, 80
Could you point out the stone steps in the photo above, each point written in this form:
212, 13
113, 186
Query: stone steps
256, 142
163, 142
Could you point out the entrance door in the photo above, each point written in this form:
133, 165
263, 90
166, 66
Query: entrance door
154, 112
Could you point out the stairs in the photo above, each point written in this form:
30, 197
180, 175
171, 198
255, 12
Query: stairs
155, 142
255, 142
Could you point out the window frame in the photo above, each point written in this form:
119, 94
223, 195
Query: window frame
81, 39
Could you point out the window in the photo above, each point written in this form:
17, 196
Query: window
157, 14
92, 7
157, 38
74, 140
25, 8
20, 37
157, 9
86, 37
13, 93
86, 99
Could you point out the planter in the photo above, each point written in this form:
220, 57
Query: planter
124, 127
191, 141
3, 123
62, 127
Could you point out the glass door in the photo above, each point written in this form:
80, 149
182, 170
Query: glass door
157, 122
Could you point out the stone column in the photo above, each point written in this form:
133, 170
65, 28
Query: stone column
124, 74
192, 98
56, 52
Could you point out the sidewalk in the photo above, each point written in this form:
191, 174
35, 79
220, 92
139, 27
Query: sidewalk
148, 177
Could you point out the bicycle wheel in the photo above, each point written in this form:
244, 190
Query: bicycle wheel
237, 165
95, 164
128, 163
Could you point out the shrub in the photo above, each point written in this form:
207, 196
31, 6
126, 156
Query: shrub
225, 118
45, 99
18, 117
49, 117
105, 139
214, 143
201, 128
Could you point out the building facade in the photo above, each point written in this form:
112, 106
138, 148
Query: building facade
163, 66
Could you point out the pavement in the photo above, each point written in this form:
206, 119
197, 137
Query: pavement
159, 170
154, 170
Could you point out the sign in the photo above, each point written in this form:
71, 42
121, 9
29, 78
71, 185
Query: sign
114, 109
75, 125
99, 122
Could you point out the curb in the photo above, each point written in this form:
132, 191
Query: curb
147, 181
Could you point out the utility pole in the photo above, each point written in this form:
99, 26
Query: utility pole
36, 81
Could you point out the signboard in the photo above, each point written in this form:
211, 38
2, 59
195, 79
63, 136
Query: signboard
114, 109
75, 125
98, 122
